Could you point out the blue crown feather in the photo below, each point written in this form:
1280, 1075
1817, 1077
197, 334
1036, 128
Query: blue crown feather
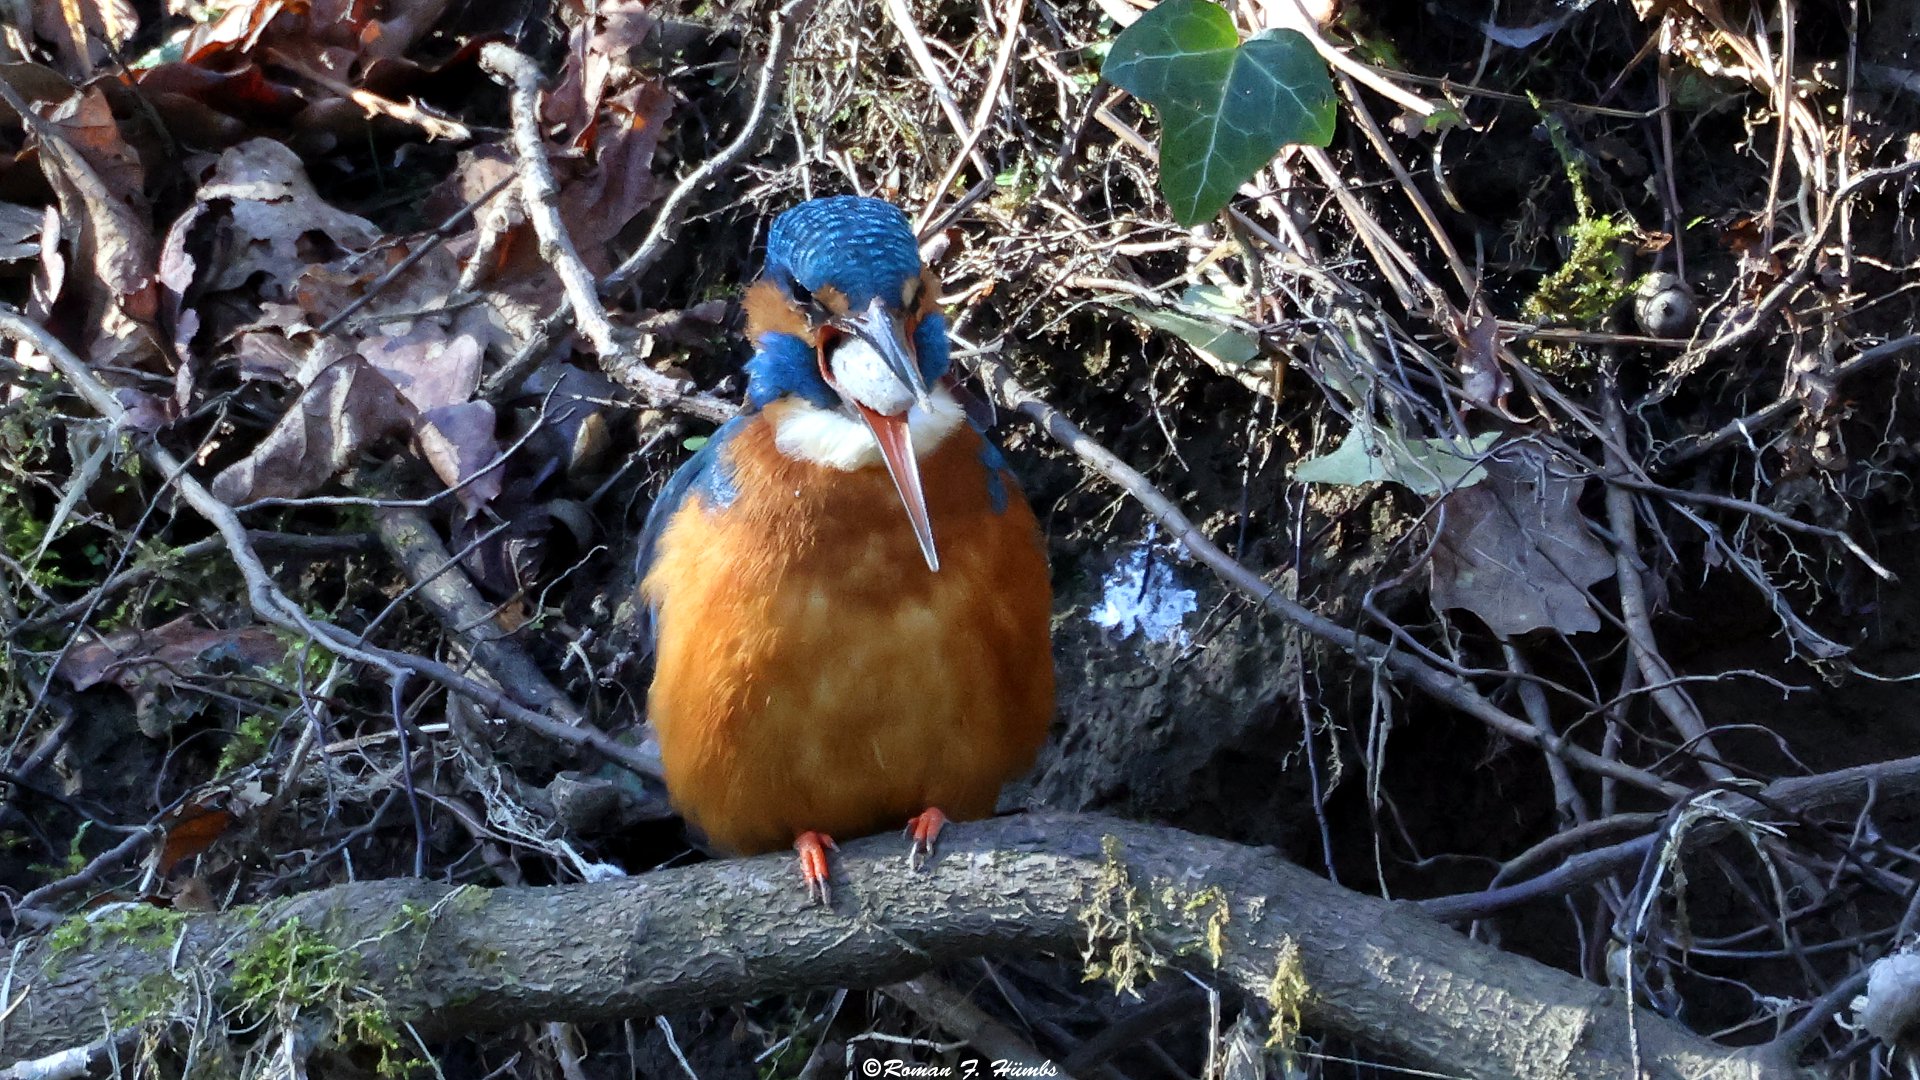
860, 246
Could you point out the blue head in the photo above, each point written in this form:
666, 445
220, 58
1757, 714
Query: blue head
838, 269
846, 322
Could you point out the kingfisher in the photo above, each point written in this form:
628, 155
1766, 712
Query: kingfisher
848, 592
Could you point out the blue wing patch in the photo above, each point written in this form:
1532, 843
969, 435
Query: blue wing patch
997, 474
709, 472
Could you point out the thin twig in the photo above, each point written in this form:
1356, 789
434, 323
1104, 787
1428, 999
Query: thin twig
422, 248
902, 16
1748, 323
1760, 420
1805, 795
539, 192
941, 1004
272, 605
1002, 65
787, 23
1674, 702
1445, 688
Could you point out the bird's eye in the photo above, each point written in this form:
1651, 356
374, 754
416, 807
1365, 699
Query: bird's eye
804, 296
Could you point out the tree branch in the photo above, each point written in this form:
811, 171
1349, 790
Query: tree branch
1438, 684
265, 597
725, 931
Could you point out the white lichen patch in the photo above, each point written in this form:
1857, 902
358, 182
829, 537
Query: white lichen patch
1142, 595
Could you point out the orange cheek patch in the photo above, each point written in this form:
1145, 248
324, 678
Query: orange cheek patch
832, 299
770, 312
929, 294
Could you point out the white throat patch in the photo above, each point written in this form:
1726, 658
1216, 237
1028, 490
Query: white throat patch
804, 431
863, 375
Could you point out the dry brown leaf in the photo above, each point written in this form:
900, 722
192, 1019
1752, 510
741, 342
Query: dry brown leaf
348, 406
216, 107
1515, 550
31, 82
320, 69
175, 275
437, 373
86, 120
428, 366
458, 441
190, 830
598, 51
268, 354
146, 662
19, 232
104, 221
502, 238
566, 409
49, 278
192, 893
274, 215
1476, 338
84, 33
621, 184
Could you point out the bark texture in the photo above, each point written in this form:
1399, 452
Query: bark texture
455, 959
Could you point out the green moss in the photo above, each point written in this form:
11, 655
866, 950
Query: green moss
794, 1036
71, 934
33, 436
1592, 281
1116, 921
1212, 903
1286, 993
288, 965
249, 742
143, 922
291, 969
467, 899
412, 916
152, 998
75, 861
1015, 187
150, 927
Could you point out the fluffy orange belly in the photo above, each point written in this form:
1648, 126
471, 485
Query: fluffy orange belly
811, 672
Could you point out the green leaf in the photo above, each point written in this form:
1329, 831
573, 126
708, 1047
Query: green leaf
1225, 107
1187, 321
1223, 344
1424, 466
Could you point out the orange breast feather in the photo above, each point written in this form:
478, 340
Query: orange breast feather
813, 674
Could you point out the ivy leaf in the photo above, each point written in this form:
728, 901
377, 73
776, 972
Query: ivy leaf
1187, 321
1225, 107
1423, 466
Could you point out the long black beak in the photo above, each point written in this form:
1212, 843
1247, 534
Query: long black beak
886, 331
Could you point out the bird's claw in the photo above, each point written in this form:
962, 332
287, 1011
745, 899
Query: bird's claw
924, 828
813, 848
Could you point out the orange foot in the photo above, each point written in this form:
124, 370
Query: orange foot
924, 829
813, 848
